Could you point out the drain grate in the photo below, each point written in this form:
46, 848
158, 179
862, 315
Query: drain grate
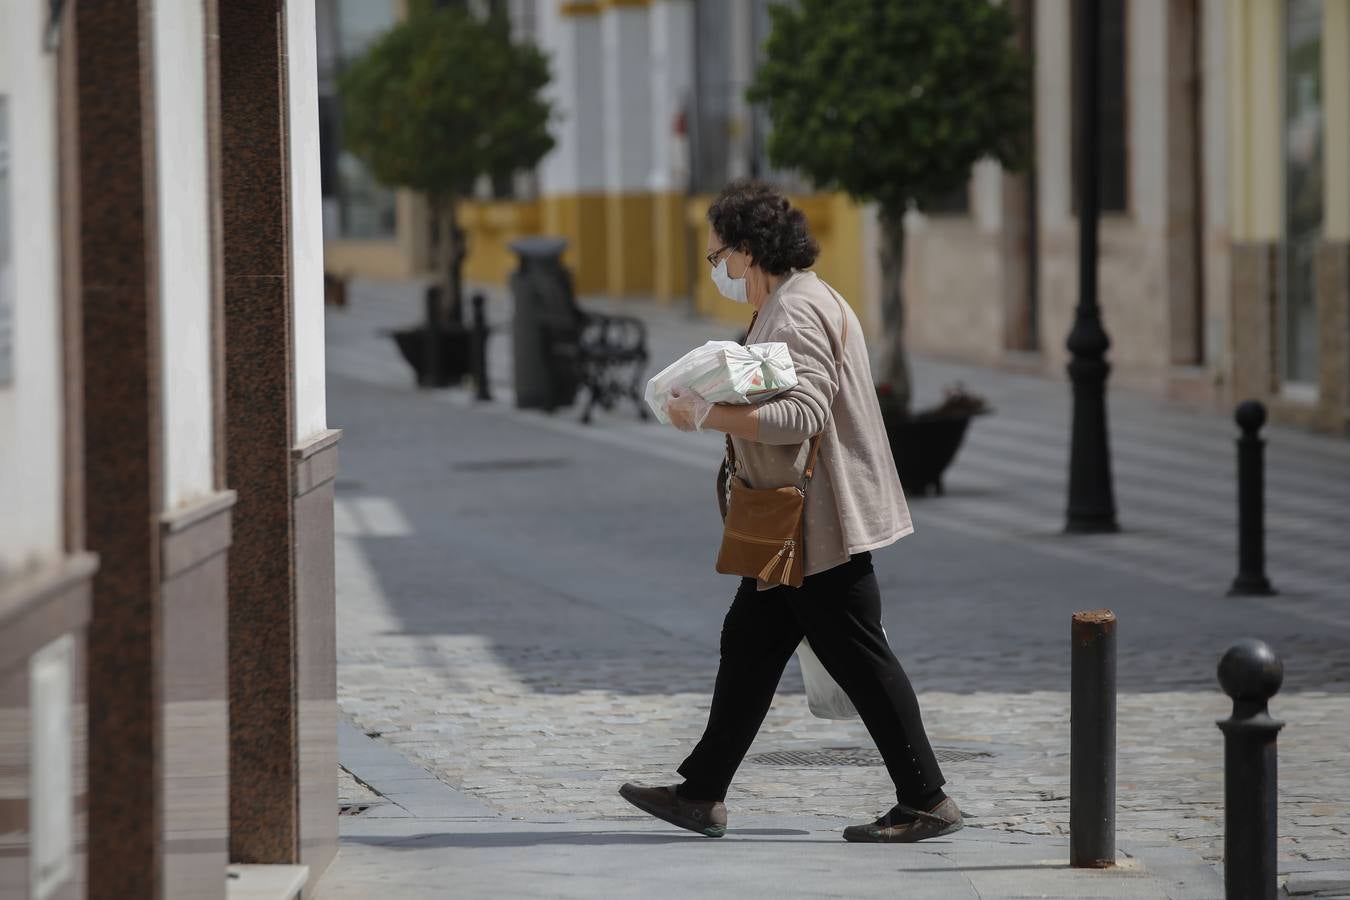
509, 465
850, 756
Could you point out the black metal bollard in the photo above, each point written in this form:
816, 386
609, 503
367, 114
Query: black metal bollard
433, 361
1251, 578
479, 348
1251, 674
1092, 741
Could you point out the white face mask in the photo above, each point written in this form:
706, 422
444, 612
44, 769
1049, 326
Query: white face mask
731, 288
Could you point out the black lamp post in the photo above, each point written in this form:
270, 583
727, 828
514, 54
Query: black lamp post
1092, 504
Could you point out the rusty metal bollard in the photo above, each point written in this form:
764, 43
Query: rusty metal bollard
1251, 674
1251, 578
1092, 741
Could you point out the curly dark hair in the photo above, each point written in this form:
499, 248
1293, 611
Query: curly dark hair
754, 217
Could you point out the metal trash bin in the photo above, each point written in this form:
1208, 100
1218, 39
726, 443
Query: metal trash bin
545, 330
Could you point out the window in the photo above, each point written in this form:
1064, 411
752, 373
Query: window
953, 203
1303, 188
355, 204
1112, 184
710, 126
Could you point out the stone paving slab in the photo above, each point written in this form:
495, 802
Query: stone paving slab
766, 858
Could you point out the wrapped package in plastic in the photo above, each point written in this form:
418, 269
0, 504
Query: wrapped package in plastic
724, 372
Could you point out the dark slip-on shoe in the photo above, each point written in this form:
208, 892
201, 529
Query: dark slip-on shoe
707, 817
905, 825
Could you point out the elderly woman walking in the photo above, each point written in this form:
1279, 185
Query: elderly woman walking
761, 252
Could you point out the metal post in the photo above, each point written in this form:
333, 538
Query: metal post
432, 373
478, 345
1251, 578
1092, 504
1251, 674
1092, 741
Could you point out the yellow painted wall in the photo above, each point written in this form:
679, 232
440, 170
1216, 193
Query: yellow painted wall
670, 250
490, 226
836, 222
1255, 39
580, 218
630, 233
382, 259
405, 255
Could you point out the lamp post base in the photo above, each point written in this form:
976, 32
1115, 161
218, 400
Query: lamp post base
1091, 524
1252, 586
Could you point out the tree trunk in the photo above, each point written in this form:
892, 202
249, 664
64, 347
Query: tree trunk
450, 256
893, 367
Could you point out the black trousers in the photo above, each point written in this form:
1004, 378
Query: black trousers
839, 612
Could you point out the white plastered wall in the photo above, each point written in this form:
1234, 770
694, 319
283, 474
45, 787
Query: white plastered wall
1146, 116
1052, 112
185, 277
1214, 143
576, 164
30, 404
672, 79
627, 114
302, 92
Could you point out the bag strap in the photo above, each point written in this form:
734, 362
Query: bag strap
815, 440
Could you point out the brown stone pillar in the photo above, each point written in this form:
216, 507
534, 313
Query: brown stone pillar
1255, 268
1185, 180
121, 448
1333, 327
157, 686
1019, 242
283, 760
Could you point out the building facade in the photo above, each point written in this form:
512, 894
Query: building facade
167, 693
1225, 188
1226, 191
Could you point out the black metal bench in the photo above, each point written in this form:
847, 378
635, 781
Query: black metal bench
609, 357
605, 354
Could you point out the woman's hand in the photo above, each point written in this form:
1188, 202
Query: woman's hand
687, 409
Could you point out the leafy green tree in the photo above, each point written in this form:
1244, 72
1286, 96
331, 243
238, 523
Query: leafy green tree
438, 101
892, 102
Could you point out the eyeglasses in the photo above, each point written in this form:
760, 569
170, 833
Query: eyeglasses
714, 256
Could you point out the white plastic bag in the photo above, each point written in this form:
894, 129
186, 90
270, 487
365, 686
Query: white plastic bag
724, 372
824, 697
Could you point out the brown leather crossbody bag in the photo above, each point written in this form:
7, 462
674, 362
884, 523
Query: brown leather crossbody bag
762, 529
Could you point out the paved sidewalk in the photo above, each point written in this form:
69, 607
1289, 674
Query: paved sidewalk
431, 840
527, 611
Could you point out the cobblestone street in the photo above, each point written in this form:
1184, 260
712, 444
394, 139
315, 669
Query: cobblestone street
527, 606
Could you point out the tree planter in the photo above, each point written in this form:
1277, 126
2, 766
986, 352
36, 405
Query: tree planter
925, 444
455, 353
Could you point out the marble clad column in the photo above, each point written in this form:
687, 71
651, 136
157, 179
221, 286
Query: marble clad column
155, 510
263, 815
121, 446
280, 456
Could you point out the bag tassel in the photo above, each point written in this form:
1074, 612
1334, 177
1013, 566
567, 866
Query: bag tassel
789, 549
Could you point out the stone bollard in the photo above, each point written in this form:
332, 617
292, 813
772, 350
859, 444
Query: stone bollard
478, 348
1251, 674
1251, 577
1092, 741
